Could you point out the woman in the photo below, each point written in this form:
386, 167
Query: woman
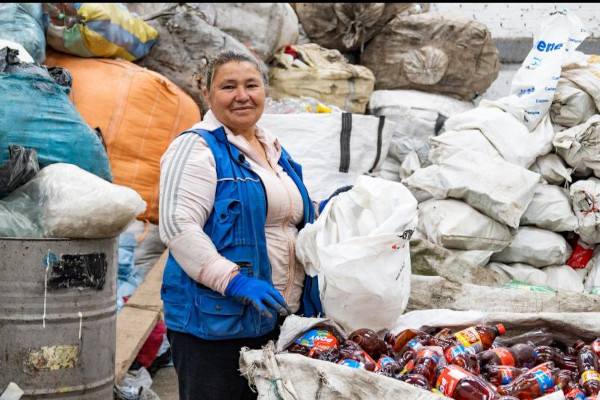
231, 204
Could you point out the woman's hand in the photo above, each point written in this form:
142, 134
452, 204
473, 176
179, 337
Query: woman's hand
259, 293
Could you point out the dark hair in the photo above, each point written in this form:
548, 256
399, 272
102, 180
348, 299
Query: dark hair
227, 56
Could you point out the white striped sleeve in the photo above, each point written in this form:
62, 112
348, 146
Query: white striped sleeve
188, 181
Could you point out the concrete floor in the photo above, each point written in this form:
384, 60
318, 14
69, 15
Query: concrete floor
164, 384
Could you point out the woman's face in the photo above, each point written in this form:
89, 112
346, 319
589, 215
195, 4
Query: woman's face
237, 96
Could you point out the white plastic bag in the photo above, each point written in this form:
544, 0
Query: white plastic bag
496, 188
451, 142
563, 278
551, 209
579, 146
592, 280
454, 224
585, 195
571, 105
68, 202
359, 249
552, 168
534, 84
536, 247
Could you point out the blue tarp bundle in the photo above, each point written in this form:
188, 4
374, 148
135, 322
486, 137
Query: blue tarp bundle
23, 23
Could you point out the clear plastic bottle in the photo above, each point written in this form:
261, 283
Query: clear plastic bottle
554, 354
539, 337
455, 382
587, 362
532, 383
520, 355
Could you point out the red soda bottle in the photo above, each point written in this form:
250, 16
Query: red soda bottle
316, 343
369, 341
532, 383
548, 353
403, 338
464, 357
575, 394
587, 362
410, 350
520, 355
426, 362
499, 375
455, 382
479, 337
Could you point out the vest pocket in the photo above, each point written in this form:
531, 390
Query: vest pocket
227, 216
219, 316
176, 310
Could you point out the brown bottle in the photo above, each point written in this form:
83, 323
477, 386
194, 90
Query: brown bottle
575, 394
350, 350
455, 382
404, 337
426, 362
479, 337
417, 377
533, 383
520, 356
587, 362
369, 341
410, 349
316, 343
499, 375
464, 357
388, 366
549, 353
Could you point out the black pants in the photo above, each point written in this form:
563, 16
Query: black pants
209, 369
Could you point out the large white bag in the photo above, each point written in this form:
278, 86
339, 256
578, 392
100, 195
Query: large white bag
497, 188
579, 146
333, 149
552, 168
536, 247
585, 195
563, 278
551, 209
451, 142
444, 223
592, 280
534, 84
509, 136
571, 105
359, 249
68, 202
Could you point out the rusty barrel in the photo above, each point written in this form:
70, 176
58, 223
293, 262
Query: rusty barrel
58, 317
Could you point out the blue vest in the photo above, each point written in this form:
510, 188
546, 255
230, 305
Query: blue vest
236, 226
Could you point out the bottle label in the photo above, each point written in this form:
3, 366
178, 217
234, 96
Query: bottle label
350, 363
575, 394
449, 378
317, 340
596, 347
426, 353
470, 338
507, 375
544, 377
589, 375
408, 367
415, 345
385, 361
505, 357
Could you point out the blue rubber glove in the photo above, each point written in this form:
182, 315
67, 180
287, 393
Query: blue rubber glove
259, 293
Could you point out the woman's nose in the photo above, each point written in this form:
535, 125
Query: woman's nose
241, 94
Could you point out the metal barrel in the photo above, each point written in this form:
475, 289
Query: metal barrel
58, 317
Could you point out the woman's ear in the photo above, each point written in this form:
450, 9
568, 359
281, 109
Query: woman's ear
205, 96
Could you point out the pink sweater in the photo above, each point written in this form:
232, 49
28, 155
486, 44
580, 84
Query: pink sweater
188, 181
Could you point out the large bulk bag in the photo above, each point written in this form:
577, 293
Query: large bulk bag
99, 30
333, 149
552, 168
139, 113
418, 116
22, 23
550, 209
322, 74
579, 146
585, 195
186, 43
36, 113
434, 52
347, 26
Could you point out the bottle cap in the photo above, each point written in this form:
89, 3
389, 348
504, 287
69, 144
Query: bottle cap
501, 329
389, 338
578, 344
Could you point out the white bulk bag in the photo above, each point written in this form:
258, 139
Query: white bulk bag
592, 280
520, 272
496, 188
563, 278
571, 105
536, 247
552, 168
508, 135
69, 202
359, 249
333, 149
585, 195
551, 209
445, 223
451, 142
579, 146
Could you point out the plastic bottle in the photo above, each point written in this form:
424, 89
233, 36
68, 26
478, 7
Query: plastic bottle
350, 350
417, 377
532, 383
455, 382
587, 362
499, 375
596, 346
479, 337
575, 394
426, 362
520, 356
317, 343
388, 366
539, 337
410, 350
464, 357
404, 337
368, 340
548, 353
